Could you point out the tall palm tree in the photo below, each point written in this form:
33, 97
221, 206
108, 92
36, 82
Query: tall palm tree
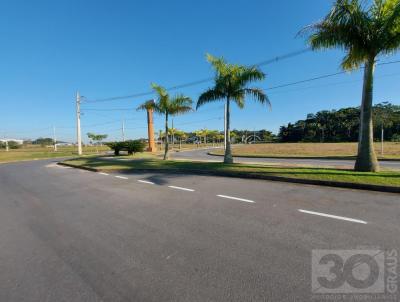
364, 33
231, 82
167, 105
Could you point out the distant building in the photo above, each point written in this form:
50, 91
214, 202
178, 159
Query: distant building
62, 144
18, 141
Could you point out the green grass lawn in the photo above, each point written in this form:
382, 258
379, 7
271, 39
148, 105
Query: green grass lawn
386, 178
33, 153
311, 150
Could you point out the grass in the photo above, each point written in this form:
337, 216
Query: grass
387, 178
323, 150
37, 152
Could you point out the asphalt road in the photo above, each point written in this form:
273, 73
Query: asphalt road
72, 235
202, 155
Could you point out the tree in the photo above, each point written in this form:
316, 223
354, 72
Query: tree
97, 138
116, 146
364, 33
231, 82
43, 141
167, 105
134, 146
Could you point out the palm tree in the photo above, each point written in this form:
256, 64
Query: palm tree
364, 33
167, 105
231, 82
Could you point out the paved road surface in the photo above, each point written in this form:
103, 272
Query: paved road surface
202, 155
72, 235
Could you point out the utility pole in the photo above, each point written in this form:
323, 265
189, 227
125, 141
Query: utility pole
78, 123
54, 139
225, 134
123, 130
7, 149
382, 137
254, 136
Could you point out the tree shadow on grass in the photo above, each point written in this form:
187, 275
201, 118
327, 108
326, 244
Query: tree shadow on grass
180, 168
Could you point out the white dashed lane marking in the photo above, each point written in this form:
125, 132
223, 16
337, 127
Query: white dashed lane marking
121, 177
180, 188
146, 182
102, 173
236, 198
333, 216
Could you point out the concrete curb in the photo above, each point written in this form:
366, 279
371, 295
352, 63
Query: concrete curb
301, 157
247, 175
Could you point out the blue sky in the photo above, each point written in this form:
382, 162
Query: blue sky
50, 49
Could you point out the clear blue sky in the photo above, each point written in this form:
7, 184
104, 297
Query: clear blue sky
49, 49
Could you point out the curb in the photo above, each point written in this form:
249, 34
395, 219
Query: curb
247, 175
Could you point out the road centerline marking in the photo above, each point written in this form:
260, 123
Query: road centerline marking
102, 173
121, 177
236, 198
146, 182
181, 188
333, 216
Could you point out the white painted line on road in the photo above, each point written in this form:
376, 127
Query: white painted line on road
180, 188
121, 177
146, 182
102, 173
333, 216
236, 198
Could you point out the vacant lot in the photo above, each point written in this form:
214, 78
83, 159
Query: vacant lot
37, 152
334, 150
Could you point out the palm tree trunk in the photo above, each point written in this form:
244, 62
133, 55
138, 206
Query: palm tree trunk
366, 157
228, 159
166, 152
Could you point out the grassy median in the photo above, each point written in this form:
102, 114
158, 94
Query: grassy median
38, 152
386, 178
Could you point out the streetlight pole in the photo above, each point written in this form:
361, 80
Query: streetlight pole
54, 139
78, 123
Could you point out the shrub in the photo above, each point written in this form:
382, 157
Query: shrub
14, 145
116, 146
396, 137
134, 146
2, 145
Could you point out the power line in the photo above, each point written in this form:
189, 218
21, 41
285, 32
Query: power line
322, 77
262, 63
333, 84
201, 81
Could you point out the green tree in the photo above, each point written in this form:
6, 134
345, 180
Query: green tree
97, 138
134, 146
116, 146
364, 33
168, 106
231, 81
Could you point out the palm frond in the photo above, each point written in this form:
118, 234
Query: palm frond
211, 95
180, 104
348, 26
250, 74
161, 91
259, 95
147, 105
219, 64
239, 98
